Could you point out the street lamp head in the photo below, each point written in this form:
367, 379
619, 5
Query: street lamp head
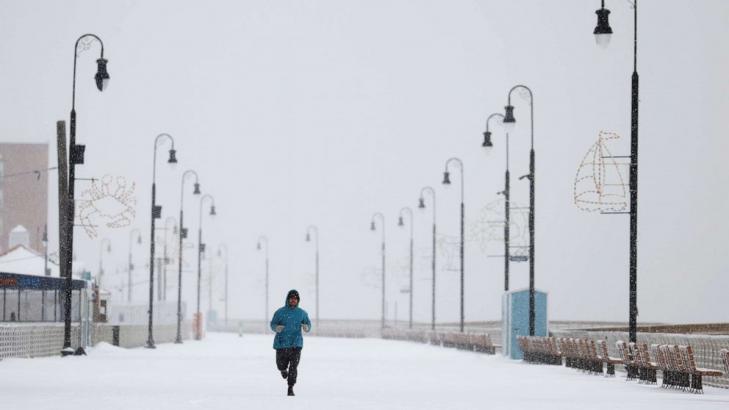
197, 189
603, 31
400, 222
102, 76
108, 248
509, 121
446, 179
173, 158
372, 226
487, 144
139, 239
421, 203
258, 245
212, 210
308, 237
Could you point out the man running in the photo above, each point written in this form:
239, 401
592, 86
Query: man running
288, 322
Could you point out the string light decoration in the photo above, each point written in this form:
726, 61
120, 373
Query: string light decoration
489, 227
449, 249
370, 277
109, 202
599, 182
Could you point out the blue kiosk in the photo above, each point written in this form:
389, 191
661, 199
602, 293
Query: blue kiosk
515, 319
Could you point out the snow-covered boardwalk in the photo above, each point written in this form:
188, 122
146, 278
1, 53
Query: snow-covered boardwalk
228, 372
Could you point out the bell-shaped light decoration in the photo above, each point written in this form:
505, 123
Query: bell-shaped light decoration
372, 226
258, 246
102, 76
108, 248
509, 121
487, 144
400, 222
212, 210
139, 239
603, 31
197, 189
447, 179
173, 158
421, 203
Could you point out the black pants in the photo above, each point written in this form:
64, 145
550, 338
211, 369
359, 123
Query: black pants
289, 359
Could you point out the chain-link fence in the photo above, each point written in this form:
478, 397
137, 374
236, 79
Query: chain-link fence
34, 340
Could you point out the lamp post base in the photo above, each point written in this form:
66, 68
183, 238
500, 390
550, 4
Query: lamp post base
150, 345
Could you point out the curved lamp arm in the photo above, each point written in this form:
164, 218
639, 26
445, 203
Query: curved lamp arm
409, 211
460, 166
157, 142
75, 58
510, 108
373, 226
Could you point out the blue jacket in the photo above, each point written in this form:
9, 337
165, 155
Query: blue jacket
291, 319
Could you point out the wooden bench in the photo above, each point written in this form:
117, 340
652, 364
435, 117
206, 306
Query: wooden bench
697, 373
482, 343
539, 349
604, 356
647, 369
627, 358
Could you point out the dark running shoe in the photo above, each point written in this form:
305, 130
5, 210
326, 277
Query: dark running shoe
291, 391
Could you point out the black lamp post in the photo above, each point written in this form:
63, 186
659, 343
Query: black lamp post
487, 144
602, 32
183, 235
401, 223
263, 242
102, 248
156, 213
130, 264
447, 183
76, 156
373, 227
509, 122
309, 230
421, 205
200, 251
46, 272
166, 258
223, 252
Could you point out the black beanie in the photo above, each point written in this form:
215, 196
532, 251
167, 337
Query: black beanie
293, 293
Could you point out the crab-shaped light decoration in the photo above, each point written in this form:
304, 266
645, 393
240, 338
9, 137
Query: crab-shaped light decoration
109, 202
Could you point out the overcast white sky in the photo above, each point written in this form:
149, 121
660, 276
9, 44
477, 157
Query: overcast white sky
323, 112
